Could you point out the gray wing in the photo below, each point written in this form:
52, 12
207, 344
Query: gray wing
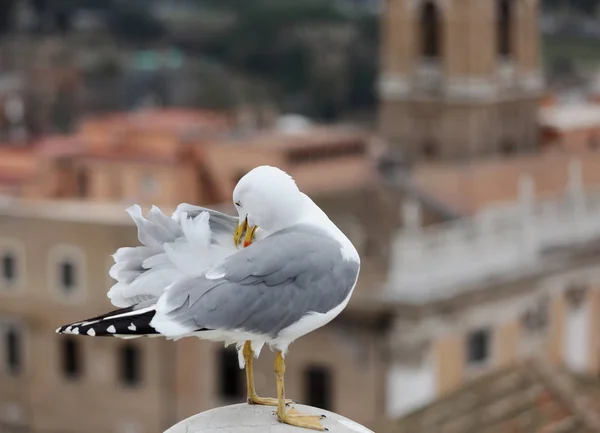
266, 287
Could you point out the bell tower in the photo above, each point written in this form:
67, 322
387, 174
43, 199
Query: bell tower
460, 79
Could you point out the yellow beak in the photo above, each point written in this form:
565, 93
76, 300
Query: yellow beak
239, 231
249, 235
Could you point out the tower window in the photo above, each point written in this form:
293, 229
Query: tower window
71, 358
130, 365
230, 376
9, 268
13, 350
318, 391
478, 346
504, 10
430, 30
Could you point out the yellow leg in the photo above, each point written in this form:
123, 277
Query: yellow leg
252, 397
291, 416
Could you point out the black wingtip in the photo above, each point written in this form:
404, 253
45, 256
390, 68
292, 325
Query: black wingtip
123, 322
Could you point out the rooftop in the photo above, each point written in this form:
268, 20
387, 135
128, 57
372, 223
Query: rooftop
526, 397
76, 210
310, 136
471, 187
168, 119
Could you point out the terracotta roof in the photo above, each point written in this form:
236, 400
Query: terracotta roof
312, 136
14, 178
171, 119
527, 397
130, 158
59, 145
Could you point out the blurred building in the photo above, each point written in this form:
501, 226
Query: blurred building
436, 308
511, 282
460, 78
54, 258
147, 156
496, 265
62, 216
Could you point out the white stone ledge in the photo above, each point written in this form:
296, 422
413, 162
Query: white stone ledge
244, 418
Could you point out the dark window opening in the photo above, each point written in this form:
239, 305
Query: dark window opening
430, 30
504, 27
130, 365
318, 391
508, 147
82, 183
478, 346
9, 268
13, 351
430, 149
71, 358
315, 154
68, 277
231, 385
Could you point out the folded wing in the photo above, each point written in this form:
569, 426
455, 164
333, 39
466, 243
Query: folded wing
262, 289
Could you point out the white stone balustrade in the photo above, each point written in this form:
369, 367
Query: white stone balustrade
504, 241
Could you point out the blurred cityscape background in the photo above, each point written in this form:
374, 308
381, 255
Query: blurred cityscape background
456, 142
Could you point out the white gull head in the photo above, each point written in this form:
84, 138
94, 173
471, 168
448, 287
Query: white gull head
269, 198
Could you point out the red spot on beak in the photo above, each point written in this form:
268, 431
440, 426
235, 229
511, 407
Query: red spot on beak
246, 243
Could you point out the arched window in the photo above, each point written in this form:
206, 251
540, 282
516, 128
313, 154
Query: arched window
68, 276
9, 268
430, 30
504, 15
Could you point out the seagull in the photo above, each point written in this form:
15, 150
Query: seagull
295, 278
185, 245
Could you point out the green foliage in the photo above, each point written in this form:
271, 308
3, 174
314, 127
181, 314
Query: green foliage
264, 42
582, 6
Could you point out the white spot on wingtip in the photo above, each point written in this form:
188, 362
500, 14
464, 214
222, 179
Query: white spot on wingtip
111, 329
91, 332
75, 331
57, 330
132, 327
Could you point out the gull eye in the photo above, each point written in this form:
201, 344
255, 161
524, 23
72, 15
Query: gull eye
237, 203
